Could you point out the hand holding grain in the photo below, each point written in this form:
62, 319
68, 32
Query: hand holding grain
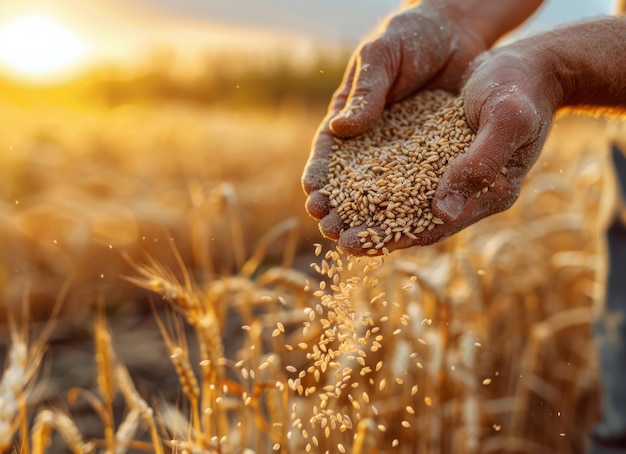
421, 174
509, 97
428, 45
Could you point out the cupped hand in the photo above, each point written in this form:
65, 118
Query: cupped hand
423, 46
510, 95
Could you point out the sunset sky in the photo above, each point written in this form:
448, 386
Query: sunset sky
343, 18
126, 30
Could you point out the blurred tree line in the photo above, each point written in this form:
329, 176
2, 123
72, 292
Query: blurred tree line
223, 79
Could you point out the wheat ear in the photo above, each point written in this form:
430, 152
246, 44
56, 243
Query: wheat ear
48, 420
136, 402
105, 362
126, 431
179, 355
12, 386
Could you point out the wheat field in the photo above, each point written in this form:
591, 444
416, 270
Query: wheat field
164, 291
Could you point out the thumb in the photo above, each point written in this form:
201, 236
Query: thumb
505, 126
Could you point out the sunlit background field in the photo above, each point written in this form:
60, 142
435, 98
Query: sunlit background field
156, 281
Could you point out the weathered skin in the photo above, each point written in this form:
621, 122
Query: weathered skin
511, 94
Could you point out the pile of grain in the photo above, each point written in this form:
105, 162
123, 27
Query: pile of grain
384, 180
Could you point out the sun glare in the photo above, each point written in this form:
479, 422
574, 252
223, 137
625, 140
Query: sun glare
39, 46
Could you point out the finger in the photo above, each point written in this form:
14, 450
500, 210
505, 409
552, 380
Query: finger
315, 172
425, 60
351, 243
506, 122
340, 96
377, 63
502, 193
317, 205
499, 197
331, 225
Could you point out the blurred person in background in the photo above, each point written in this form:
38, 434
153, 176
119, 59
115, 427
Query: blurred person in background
511, 94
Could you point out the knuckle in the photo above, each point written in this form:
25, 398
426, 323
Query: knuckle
373, 48
331, 226
400, 21
520, 115
480, 173
315, 175
317, 205
502, 90
383, 48
520, 109
509, 199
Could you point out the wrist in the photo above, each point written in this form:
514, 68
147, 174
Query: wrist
553, 79
489, 20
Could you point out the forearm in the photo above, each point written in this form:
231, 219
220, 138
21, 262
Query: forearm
589, 62
490, 19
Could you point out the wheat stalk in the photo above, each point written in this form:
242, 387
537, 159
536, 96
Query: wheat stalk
106, 363
48, 420
136, 402
21, 367
24, 357
12, 386
127, 430
288, 226
158, 279
179, 356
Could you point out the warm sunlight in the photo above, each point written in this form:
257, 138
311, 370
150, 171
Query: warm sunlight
39, 46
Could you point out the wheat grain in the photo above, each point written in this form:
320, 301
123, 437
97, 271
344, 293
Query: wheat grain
186, 375
383, 180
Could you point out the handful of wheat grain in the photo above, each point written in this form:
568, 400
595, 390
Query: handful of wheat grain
384, 180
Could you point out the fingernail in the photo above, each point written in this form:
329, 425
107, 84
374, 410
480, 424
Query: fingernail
452, 204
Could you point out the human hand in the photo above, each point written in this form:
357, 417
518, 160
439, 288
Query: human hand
510, 97
511, 94
428, 45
